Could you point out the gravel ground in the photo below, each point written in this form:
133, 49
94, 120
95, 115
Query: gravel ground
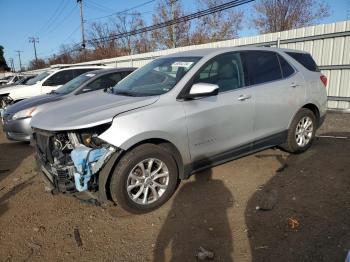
307, 197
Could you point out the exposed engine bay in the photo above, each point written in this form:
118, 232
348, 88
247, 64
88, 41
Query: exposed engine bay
71, 160
5, 100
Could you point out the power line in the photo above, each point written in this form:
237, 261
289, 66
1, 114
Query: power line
178, 20
55, 18
98, 6
122, 12
60, 22
34, 40
51, 17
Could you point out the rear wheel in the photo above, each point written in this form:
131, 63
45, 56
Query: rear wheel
144, 179
301, 132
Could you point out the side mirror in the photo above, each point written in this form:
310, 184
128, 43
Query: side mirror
202, 90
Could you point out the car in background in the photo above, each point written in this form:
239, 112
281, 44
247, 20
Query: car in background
9, 80
17, 117
43, 83
177, 115
22, 81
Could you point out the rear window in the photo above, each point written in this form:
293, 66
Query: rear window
306, 60
262, 66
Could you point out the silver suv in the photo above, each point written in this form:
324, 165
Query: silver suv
175, 116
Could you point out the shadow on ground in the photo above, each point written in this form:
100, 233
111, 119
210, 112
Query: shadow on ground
198, 218
313, 197
11, 156
11, 193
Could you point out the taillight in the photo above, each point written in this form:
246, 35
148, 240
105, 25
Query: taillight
324, 80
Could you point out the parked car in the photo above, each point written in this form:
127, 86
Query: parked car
9, 80
43, 83
17, 117
22, 81
178, 115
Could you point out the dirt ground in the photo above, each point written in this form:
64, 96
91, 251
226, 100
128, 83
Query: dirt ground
216, 209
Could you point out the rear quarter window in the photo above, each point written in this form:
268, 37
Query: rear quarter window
306, 60
286, 68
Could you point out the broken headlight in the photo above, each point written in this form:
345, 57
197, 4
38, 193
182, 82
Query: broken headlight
89, 137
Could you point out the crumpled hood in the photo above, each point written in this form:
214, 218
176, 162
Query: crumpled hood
33, 102
86, 110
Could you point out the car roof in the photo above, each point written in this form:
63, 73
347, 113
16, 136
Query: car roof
112, 70
215, 51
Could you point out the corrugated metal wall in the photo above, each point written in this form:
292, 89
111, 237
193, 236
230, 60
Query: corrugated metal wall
329, 44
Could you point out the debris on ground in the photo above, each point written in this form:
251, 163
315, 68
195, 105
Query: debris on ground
293, 223
33, 245
77, 237
261, 247
267, 200
204, 254
280, 169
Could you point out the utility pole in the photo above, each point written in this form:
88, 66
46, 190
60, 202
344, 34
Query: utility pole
34, 40
19, 57
172, 10
80, 2
12, 65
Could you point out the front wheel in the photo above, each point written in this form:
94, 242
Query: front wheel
144, 179
301, 132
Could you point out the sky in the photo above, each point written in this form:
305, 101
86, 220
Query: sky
57, 22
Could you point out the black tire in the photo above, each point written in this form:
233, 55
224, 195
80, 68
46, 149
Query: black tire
118, 184
291, 145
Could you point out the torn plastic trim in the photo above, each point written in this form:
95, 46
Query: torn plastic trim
87, 162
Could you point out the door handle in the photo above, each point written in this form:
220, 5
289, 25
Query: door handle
293, 85
244, 97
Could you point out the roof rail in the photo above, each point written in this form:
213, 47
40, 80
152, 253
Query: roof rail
71, 65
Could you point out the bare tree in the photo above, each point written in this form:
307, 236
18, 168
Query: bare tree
171, 36
124, 23
36, 64
218, 26
280, 15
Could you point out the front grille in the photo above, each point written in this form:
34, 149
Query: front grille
43, 143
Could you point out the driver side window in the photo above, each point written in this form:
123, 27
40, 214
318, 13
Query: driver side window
226, 71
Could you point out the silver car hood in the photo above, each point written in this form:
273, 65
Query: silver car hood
86, 111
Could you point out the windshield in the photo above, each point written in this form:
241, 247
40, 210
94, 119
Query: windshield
155, 78
39, 77
74, 83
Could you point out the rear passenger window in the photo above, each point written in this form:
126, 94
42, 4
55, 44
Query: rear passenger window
306, 60
262, 66
60, 78
287, 69
105, 81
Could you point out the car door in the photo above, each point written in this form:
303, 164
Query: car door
219, 124
278, 91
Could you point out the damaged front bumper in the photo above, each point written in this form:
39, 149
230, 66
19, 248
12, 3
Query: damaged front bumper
69, 166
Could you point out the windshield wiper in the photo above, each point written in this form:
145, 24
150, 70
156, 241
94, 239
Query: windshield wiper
53, 92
